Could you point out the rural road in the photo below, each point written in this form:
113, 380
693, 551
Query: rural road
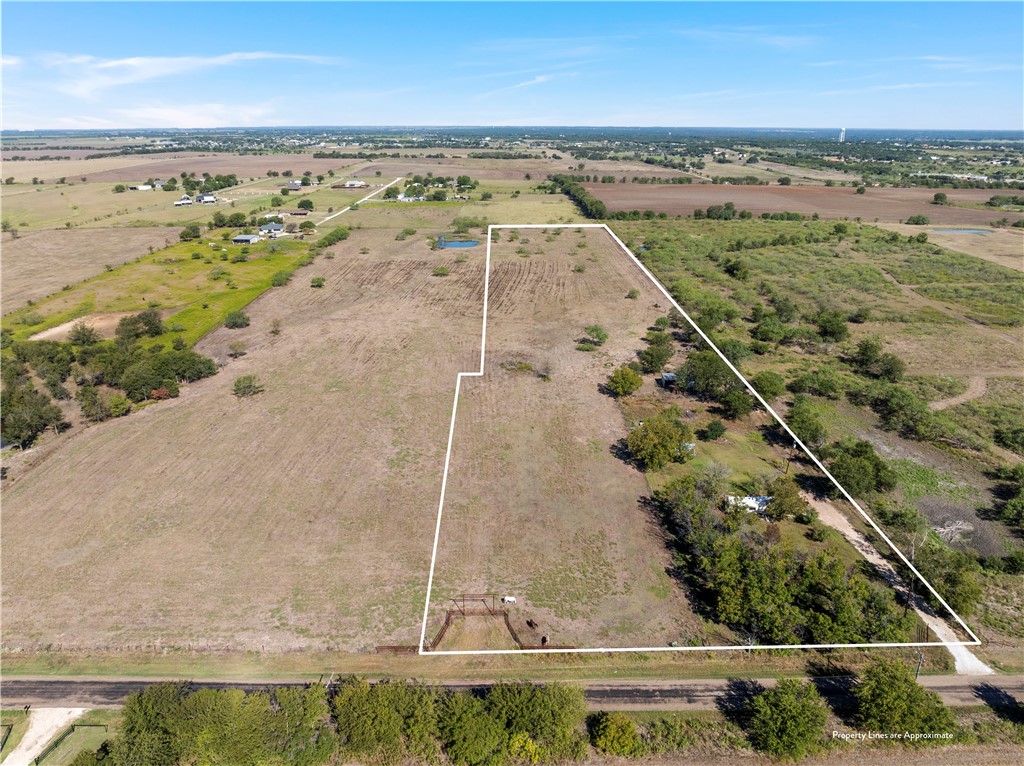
710, 694
368, 196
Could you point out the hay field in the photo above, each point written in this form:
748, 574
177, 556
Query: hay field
39, 263
298, 519
537, 505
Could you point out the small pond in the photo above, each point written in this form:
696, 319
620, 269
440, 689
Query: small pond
960, 231
447, 243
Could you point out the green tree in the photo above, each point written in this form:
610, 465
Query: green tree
736, 404
769, 384
471, 735
805, 423
83, 335
890, 700
624, 381
304, 204
189, 233
148, 733
25, 413
832, 325
788, 721
276, 201
786, 500
707, 375
616, 734
660, 439
120, 188
940, 198
715, 429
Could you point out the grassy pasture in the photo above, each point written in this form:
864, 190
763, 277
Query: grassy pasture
169, 279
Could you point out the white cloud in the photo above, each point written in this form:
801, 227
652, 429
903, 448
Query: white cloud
86, 76
756, 35
895, 86
538, 80
10, 61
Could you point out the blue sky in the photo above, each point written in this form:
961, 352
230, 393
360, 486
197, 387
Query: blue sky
868, 65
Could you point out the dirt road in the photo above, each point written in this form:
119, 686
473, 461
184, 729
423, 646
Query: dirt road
966, 662
975, 388
43, 725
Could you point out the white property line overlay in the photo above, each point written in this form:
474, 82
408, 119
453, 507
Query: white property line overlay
371, 194
587, 650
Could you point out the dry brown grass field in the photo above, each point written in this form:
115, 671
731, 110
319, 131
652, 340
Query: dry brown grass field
888, 204
38, 263
537, 505
1002, 246
300, 518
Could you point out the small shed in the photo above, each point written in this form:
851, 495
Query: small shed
246, 239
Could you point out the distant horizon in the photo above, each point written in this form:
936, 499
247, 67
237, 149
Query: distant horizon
135, 65
415, 127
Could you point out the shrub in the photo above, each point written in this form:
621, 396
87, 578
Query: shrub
889, 699
236, 320
247, 385
769, 384
633, 294
787, 721
714, 430
596, 334
586, 346
918, 220
737, 404
615, 734
624, 381
280, 278
316, 282
440, 271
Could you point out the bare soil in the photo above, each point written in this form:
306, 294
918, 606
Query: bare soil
1002, 246
39, 263
537, 504
888, 204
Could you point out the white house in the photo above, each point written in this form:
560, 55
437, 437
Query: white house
355, 184
184, 201
206, 199
750, 503
271, 228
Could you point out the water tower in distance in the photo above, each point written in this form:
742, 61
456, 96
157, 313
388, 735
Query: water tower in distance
842, 135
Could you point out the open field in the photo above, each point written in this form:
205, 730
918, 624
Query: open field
134, 167
39, 263
1002, 246
297, 519
536, 504
883, 204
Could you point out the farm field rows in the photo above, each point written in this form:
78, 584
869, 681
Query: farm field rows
883, 204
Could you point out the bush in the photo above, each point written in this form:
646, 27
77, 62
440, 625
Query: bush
119, 405
236, 320
316, 282
624, 381
787, 721
737, 404
596, 334
615, 734
714, 430
633, 294
769, 384
247, 385
440, 271
918, 220
280, 278
304, 204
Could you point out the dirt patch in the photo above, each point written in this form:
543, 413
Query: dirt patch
104, 324
44, 724
887, 204
39, 263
